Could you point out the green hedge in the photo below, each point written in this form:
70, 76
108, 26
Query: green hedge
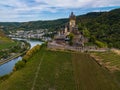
28, 55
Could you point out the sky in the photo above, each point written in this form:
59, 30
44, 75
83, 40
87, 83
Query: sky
32, 10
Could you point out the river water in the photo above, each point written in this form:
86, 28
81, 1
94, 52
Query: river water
8, 67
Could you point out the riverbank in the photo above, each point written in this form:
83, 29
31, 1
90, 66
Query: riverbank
27, 47
7, 67
13, 57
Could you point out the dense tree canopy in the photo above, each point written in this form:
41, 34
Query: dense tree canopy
103, 26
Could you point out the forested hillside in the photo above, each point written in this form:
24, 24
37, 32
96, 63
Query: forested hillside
33, 25
105, 27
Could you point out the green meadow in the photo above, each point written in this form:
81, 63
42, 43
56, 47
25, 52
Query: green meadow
59, 70
6, 43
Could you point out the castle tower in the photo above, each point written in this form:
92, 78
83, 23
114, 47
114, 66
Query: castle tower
66, 29
72, 22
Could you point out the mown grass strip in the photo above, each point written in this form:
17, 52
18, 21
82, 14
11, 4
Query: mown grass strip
36, 74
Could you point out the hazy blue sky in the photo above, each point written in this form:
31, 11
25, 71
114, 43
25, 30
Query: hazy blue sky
31, 10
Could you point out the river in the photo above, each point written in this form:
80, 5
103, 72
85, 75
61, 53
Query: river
8, 67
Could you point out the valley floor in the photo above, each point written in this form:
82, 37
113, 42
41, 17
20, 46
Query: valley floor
56, 70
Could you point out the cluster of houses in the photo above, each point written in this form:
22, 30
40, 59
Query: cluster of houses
32, 34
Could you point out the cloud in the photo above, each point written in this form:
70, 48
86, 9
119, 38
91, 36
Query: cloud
80, 3
23, 10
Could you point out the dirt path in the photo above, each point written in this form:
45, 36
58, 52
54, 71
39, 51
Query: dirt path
36, 74
116, 51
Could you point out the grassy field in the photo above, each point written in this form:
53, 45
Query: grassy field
6, 43
112, 61
55, 70
91, 76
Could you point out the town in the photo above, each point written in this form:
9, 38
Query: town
40, 34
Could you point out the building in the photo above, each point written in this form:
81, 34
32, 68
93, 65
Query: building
70, 27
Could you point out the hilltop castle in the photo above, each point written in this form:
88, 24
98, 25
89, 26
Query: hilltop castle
70, 27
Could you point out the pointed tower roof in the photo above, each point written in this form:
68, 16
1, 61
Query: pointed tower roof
72, 16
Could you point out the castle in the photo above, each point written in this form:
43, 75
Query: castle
70, 27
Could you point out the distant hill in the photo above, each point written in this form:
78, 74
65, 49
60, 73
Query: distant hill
105, 26
32, 25
51, 24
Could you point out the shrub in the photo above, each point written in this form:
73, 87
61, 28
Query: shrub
86, 33
30, 53
3, 78
100, 44
71, 36
19, 65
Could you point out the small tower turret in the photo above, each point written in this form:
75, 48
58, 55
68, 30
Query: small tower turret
72, 22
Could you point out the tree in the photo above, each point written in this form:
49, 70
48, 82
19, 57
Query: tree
92, 39
80, 27
19, 65
71, 36
86, 33
31, 52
